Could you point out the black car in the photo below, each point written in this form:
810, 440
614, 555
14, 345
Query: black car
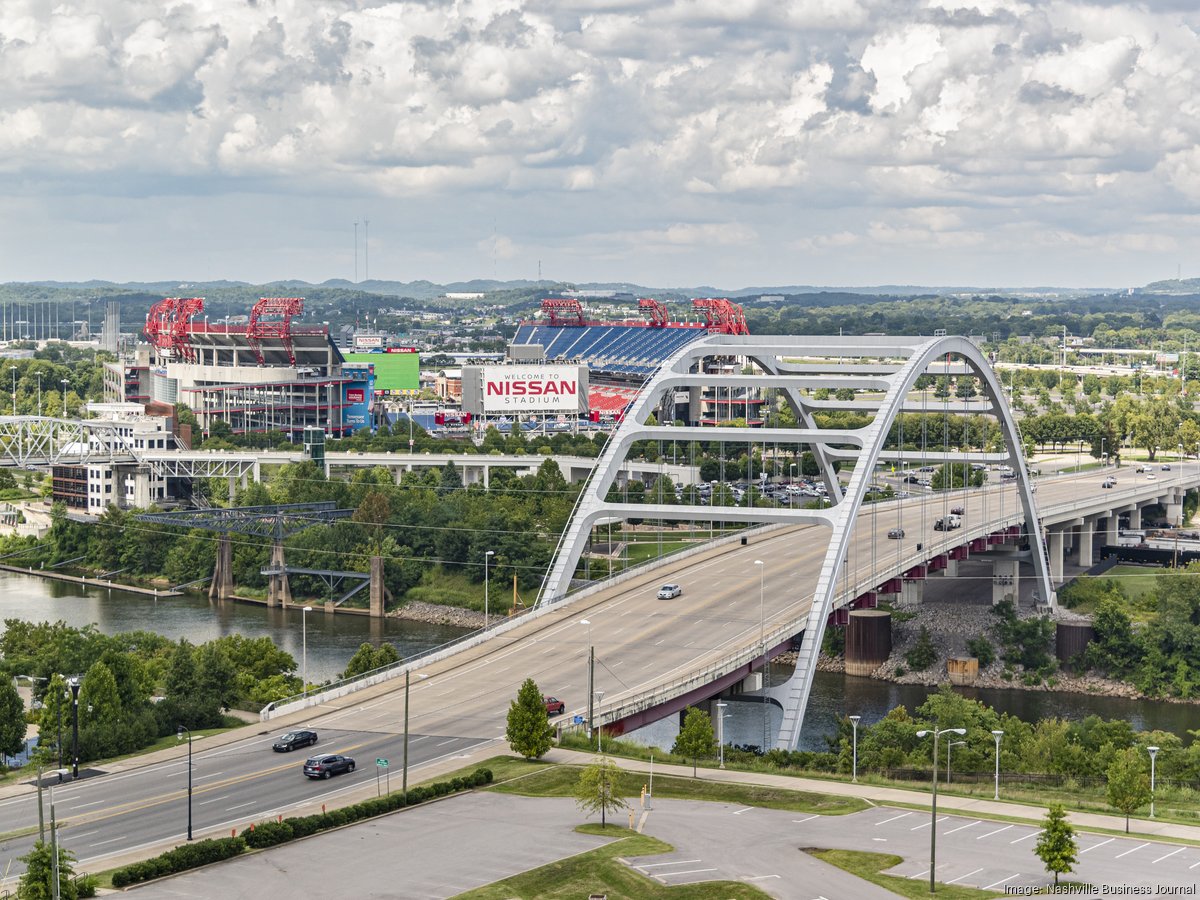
329, 764
294, 740
896, 534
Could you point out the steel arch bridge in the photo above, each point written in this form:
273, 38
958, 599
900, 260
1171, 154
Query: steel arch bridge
885, 368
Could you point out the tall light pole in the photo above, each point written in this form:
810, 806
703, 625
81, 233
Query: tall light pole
14, 388
933, 827
304, 648
73, 684
997, 734
179, 737
1103, 458
591, 676
950, 744
762, 641
55, 886
64, 383
854, 726
486, 557
599, 698
721, 730
1153, 756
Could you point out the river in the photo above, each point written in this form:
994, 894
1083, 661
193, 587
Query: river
332, 640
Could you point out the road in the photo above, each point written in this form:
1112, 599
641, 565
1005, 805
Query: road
462, 701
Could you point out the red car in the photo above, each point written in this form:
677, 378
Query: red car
554, 706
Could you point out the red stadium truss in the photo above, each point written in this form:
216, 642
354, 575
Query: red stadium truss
563, 311
281, 310
659, 317
168, 324
721, 316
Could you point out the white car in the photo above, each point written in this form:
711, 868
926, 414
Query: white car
669, 591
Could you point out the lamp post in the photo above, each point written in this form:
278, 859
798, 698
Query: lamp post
591, 676
933, 827
64, 384
950, 744
73, 684
1153, 756
304, 648
762, 641
599, 698
179, 730
721, 731
55, 887
486, 557
854, 726
1103, 458
14, 388
997, 734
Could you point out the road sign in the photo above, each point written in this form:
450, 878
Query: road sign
382, 763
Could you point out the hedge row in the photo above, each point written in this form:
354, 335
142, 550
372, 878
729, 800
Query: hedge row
268, 834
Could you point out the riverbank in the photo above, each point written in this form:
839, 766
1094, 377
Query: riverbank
436, 614
90, 582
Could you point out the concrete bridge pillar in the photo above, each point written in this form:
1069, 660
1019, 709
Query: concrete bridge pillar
1054, 546
221, 586
279, 589
912, 592
1135, 517
1110, 530
376, 588
951, 570
1174, 508
1087, 532
232, 490
1005, 581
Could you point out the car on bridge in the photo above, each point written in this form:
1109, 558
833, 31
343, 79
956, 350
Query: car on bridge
554, 706
896, 534
669, 591
1108, 482
958, 510
1166, 467
294, 740
947, 523
327, 764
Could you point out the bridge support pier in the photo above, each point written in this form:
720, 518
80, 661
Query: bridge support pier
1055, 550
377, 589
912, 592
279, 588
1174, 509
1087, 535
951, 570
1006, 581
1110, 530
221, 587
1135, 517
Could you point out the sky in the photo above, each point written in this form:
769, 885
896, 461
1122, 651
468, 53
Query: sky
675, 143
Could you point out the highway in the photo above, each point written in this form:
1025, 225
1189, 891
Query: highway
460, 702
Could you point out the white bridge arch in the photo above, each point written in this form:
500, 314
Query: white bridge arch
792, 364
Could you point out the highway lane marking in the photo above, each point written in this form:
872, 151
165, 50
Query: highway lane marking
1094, 846
1001, 881
802, 821
894, 818
997, 831
81, 834
960, 828
968, 875
109, 841
240, 806
214, 799
663, 641
450, 741
208, 775
1134, 850
1172, 853
1027, 837
85, 805
927, 824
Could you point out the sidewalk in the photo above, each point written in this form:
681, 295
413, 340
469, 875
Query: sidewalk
882, 795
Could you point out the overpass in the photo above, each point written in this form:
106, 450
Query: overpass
746, 598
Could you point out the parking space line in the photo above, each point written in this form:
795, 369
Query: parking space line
742, 810
1027, 837
1193, 865
688, 872
678, 862
961, 827
920, 874
1094, 846
1001, 881
968, 875
892, 819
926, 825
1134, 850
1172, 853
990, 833
802, 821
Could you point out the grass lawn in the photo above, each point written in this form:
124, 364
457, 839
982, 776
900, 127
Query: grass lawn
1135, 581
868, 866
559, 781
599, 871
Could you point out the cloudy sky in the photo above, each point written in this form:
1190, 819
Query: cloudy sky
722, 142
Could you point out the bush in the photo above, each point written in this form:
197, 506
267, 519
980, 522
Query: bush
981, 648
268, 834
182, 858
923, 655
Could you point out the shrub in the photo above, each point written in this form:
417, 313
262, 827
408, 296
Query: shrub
182, 858
268, 834
981, 648
923, 654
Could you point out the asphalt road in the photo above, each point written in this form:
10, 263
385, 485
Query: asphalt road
232, 786
462, 701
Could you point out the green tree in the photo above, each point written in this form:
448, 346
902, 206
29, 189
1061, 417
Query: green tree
367, 658
529, 732
101, 727
12, 719
1056, 845
923, 654
1128, 783
38, 881
56, 709
599, 789
695, 737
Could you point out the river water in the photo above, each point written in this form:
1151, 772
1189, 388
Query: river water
332, 640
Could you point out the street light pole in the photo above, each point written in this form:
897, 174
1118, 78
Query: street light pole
180, 729
599, 698
304, 648
14, 388
591, 676
997, 734
74, 685
854, 770
55, 886
933, 826
721, 730
486, 557
1153, 757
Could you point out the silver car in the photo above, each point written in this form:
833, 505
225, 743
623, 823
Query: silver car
669, 591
